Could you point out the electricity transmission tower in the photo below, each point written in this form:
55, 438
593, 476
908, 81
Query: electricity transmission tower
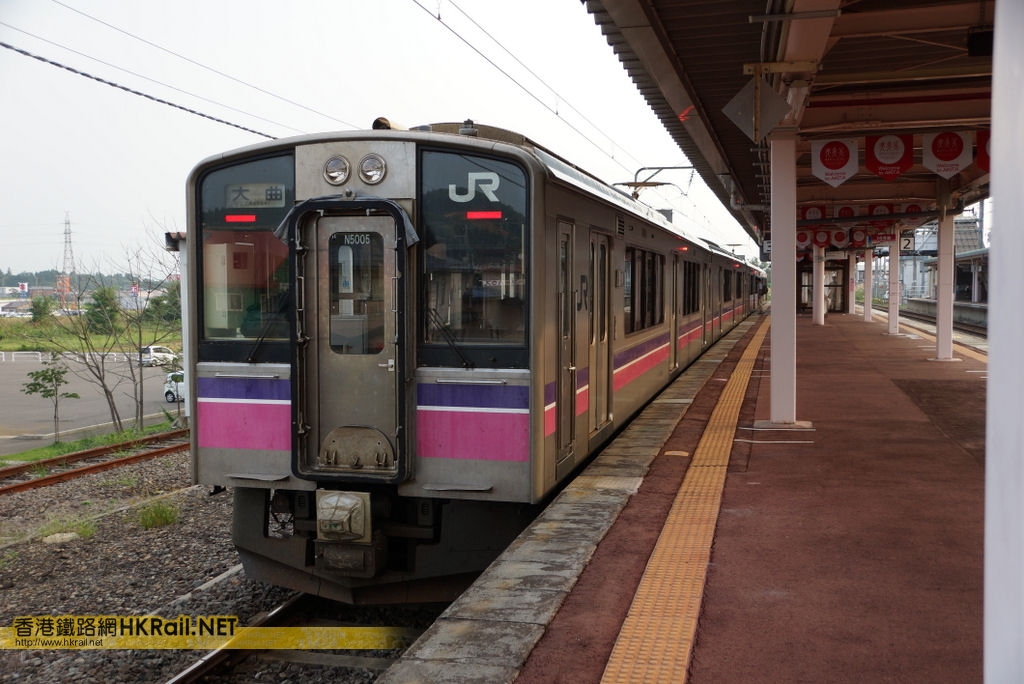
68, 267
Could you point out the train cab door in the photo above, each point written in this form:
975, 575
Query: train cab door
350, 282
566, 361
599, 306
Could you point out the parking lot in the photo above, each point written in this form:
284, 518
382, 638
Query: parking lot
26, 421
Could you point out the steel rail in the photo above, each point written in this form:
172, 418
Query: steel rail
71, 474
95, 452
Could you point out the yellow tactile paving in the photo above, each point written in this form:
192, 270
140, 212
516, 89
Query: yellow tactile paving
657, 637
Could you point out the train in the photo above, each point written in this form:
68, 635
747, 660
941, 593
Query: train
401, 342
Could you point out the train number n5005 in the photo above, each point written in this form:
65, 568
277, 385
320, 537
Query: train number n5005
356, 239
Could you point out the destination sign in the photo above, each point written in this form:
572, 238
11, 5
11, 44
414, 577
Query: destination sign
255, 195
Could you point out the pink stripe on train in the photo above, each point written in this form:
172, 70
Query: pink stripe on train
242, 425
473, 435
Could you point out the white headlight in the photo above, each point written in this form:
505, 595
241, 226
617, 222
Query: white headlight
337, 170
372, 169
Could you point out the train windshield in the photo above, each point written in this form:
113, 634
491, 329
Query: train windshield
474, 227
244, 274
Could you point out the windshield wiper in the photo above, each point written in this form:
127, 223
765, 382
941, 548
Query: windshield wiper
273, 319
442, 327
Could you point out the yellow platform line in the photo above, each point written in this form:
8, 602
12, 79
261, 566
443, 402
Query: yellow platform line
656, 640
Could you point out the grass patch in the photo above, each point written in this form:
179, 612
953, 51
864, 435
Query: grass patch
123, 480
61, 448
157, 514
8, 557
21, 334
83, 528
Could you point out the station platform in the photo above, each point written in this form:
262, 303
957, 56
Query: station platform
705, 545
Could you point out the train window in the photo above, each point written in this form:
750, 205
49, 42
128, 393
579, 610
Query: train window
356, 266
627, 290
691, 287
473, 218
244, 274
643, 290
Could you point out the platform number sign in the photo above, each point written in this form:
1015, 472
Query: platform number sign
907, 242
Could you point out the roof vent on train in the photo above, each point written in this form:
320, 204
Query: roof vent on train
382, 123
467, 128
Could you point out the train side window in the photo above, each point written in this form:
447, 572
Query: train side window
643, 290
627, 290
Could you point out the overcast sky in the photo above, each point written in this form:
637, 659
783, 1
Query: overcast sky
116, 162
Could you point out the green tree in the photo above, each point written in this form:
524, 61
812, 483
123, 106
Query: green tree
165, 308
47, 383
103, 314
42, 307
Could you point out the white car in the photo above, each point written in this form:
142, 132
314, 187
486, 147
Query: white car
174, 387
156, 356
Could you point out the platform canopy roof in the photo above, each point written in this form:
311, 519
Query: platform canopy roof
722, 75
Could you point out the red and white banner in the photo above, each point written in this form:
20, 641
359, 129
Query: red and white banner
947, 153
858, 237
879, 214
803, 239
889, 156
813, 213
845, 211
840, 238
834, 161
984, 158
911, 209
822, 237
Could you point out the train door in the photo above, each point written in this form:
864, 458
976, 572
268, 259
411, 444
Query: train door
707, 303
717, 304
349, 281
675, 302
566, 361
599, 366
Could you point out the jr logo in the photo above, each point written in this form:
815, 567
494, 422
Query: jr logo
486, 181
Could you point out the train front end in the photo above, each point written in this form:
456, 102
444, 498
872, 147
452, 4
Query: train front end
360, 360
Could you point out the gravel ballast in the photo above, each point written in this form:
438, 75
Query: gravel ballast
120, 568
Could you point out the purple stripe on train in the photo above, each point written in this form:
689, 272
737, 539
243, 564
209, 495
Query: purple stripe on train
253, 389
473, 396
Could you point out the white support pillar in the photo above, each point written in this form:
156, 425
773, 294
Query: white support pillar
851, 283
1004, 436
944, 295
818, 308
869, 277
783, 330
894, 287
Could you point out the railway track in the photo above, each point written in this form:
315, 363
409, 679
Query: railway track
30, 475
307, 610
977, 330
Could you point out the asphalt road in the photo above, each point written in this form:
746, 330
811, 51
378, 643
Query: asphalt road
26, 421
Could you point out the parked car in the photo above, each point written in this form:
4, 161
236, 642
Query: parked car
156, 356
174, 387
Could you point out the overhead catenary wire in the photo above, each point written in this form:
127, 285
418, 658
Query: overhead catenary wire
139, 93
686, 210
204, 66
147, 78
672, 200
